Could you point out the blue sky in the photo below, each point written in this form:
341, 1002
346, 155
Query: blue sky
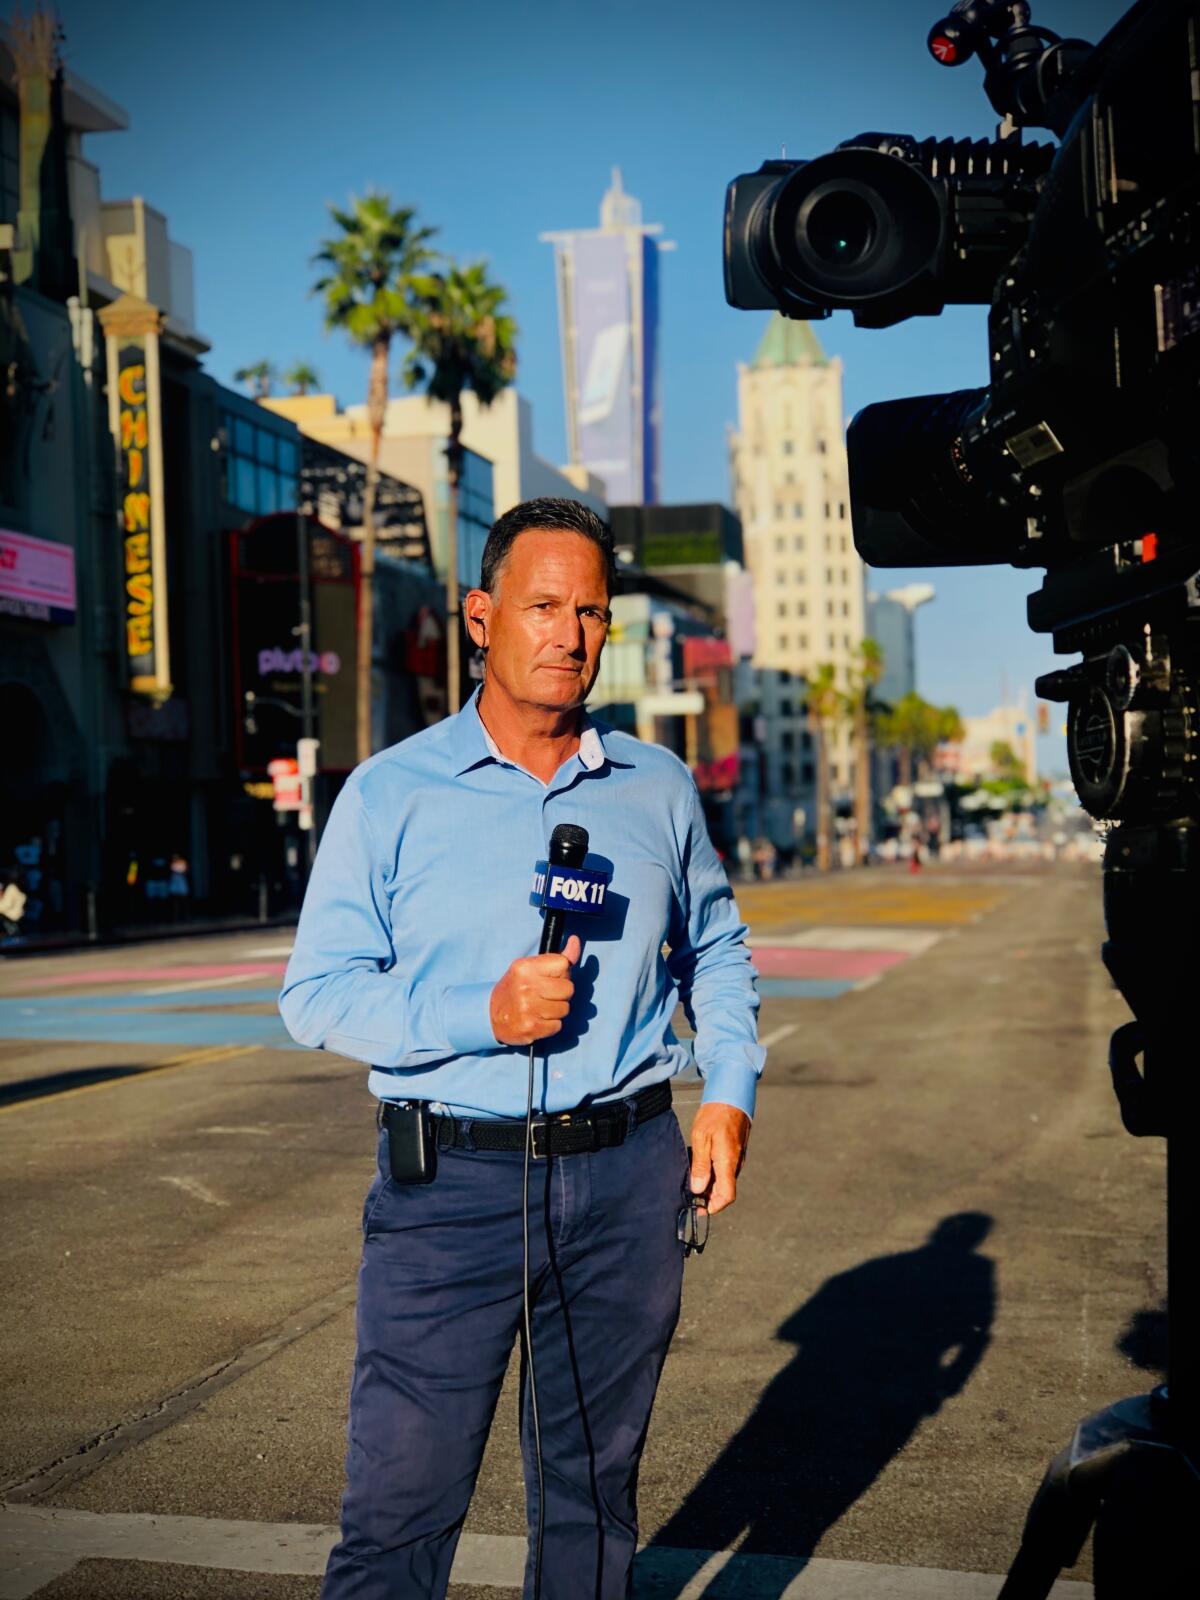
499, 121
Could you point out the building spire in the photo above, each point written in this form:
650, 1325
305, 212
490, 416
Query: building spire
618, 209
788, 343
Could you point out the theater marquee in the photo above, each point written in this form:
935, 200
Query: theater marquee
131, 329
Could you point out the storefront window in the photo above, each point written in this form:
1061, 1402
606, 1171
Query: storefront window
260, 467
244, 484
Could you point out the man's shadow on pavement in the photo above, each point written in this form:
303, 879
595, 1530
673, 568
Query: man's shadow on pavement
878, 1349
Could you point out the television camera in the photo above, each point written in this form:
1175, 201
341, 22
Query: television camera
1079, 457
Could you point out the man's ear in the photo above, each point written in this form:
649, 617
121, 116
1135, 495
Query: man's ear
477, 608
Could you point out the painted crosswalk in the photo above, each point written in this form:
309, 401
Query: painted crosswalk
823, 963
235, 1002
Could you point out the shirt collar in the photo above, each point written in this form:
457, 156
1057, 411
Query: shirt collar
472, 744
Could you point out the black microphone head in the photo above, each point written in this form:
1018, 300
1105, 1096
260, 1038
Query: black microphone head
568, 845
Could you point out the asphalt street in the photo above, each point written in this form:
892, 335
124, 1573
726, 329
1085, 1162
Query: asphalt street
945, 1251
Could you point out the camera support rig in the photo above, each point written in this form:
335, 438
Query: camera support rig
1131, 1470
1025, 66
1079, 456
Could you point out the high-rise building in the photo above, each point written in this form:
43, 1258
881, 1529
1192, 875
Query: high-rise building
891, 623
608, 326
791, 490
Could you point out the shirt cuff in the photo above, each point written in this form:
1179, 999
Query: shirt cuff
467, 1016
731, 1085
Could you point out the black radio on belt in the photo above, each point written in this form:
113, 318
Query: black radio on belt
412, 1147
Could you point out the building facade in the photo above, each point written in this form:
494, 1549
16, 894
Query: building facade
1013, 725
125, 472
792, 494
791, 490
501, 470
608, 306
891, 622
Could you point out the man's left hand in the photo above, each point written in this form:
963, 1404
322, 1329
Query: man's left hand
720, 1135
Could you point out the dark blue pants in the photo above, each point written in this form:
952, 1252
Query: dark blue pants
439, 1310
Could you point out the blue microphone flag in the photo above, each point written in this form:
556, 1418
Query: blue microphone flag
577, 889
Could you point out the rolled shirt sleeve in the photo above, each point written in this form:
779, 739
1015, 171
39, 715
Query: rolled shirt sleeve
340, 992
711, 966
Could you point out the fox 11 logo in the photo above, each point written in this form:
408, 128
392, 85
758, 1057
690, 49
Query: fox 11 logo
579, 889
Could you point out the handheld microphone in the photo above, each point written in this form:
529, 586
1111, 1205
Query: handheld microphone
568, 847
558, 883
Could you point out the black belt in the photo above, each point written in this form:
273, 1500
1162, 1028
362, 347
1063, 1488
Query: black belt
568, 1133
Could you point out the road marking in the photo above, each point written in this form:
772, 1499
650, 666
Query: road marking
55, 1477
40, 1543
83, 977
785, 961
194, 1058
199, 983
146, 1022
778, 1035
806, 988
912, 941
269, 950
197, 1190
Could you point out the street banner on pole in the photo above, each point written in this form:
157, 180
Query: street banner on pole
284, 773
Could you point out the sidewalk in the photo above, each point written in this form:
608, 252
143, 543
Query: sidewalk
142, 933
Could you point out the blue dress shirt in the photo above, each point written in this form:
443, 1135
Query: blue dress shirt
421, 898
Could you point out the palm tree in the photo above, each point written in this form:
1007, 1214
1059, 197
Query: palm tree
300, 377
461, 339
367, 288
258, 378
864, 676
916, 728
825, 705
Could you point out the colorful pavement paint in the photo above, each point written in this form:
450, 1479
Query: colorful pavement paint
812, 939
84, 977
823, 963
247, 1015
183, 1019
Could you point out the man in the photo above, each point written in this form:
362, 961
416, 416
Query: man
415, 954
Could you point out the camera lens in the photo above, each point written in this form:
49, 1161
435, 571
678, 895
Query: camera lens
841, 228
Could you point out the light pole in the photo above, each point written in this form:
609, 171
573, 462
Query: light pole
306, 762
304, 634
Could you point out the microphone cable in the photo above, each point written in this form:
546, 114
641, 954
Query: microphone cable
526, 1297
568, 850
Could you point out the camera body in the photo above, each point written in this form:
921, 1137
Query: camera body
1080, 456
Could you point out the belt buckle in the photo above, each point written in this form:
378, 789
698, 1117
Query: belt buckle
564, 1119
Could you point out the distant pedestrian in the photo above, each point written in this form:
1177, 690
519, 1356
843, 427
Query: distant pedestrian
178, 887
745, 855
764, 858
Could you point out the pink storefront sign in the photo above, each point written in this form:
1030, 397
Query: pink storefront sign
37, 578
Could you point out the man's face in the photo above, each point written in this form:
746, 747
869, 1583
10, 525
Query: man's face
545, 626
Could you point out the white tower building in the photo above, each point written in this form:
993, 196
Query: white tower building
791, 490
608, 321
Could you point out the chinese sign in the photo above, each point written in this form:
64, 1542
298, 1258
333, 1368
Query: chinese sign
131, 327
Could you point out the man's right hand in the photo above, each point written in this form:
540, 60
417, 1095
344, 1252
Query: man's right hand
534, 996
